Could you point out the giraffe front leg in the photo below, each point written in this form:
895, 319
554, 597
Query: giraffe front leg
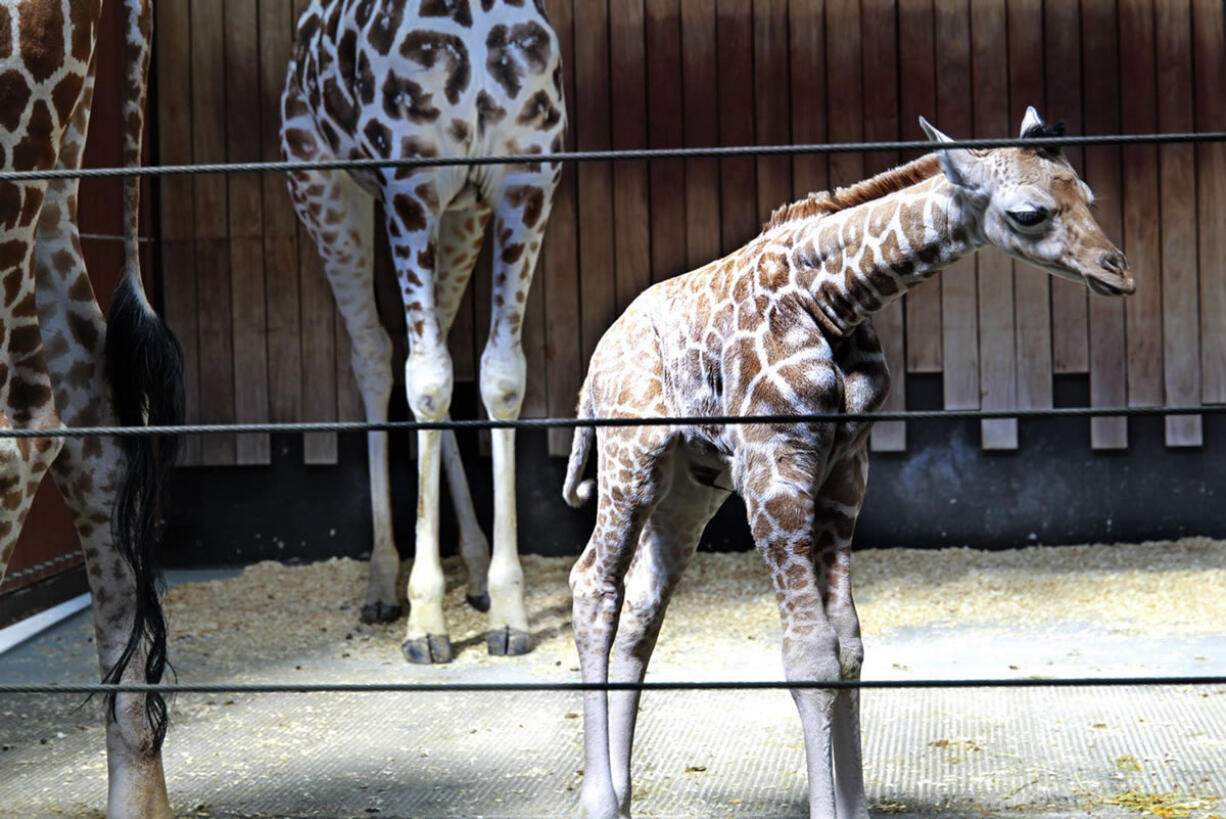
518, 227
781, 517
665, 547
412, 221
838, 505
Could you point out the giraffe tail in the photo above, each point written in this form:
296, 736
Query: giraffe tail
145, 370
575, 491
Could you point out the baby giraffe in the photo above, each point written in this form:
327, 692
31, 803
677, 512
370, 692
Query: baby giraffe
781, 326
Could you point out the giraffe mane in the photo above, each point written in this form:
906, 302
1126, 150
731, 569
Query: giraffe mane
816, 205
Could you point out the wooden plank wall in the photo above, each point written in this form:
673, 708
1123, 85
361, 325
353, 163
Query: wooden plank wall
247, 296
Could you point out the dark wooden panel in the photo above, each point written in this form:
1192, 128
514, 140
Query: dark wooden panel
734, 38
632, 242
282, 326
917, 98
807, 30
591, 109
960, 325
177, 204
1108, 371
1210, 68
1031, 286
665, 129
208, 87
772, 106
878, 31
1138, 113
700, 94
562, 255
1062, 60
246, 226
997, 354
1177, 182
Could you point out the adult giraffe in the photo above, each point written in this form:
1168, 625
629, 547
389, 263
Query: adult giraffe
58, 357
781, 327
422, 78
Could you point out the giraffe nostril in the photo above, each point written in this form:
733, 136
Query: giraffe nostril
1115, 262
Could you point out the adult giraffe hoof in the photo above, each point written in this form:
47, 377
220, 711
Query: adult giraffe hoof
506, 642
380, 612
479, 602
431, 649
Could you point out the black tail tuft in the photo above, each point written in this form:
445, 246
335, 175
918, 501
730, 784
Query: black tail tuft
145, 370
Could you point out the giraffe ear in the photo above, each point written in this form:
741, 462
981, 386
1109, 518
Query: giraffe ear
958, 164
1032, 120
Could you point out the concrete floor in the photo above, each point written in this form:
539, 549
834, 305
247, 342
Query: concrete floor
1098, 752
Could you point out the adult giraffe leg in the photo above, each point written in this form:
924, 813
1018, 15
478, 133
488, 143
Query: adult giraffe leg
524, 197
87, 472
781, 517
459, 243
412, 225
838, 505
339, 216
667, 543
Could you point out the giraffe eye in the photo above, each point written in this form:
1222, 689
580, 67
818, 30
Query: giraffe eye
1029, 217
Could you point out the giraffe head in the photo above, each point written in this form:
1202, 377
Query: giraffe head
1031, 204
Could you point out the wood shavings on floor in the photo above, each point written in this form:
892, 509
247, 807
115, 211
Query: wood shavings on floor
274, 611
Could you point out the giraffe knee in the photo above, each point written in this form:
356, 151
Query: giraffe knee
428, 383
812, 653
851, 657
503, 378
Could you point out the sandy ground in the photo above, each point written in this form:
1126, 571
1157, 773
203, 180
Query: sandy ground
1117, 609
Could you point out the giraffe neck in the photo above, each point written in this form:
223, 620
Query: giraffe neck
854, 262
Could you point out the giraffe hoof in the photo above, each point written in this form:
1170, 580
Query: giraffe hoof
508, 642
380, 612
479, 602
428, 650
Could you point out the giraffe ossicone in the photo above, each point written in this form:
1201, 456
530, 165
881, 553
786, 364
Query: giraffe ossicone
396, 80
782, 326
62, 364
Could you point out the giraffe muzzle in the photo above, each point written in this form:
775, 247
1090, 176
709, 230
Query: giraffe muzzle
1115, 279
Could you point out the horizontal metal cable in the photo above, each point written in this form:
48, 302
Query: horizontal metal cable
550, 423
621, 155
715, 685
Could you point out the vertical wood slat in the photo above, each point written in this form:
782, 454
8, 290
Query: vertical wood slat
1031, 286
844, 95
665, 129
771, 102
1062, 59
282, 326
734, 41
208, 87
595, 178
917, 97
878, 27
562, 256
1108, 367
701, 101
178, 220
318, 344
960, 328
1138, 114
1177, 186
806, 29
1210, 72
246, 227
632, 243
997, 354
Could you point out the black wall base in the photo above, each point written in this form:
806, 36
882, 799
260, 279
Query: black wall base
944, 491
